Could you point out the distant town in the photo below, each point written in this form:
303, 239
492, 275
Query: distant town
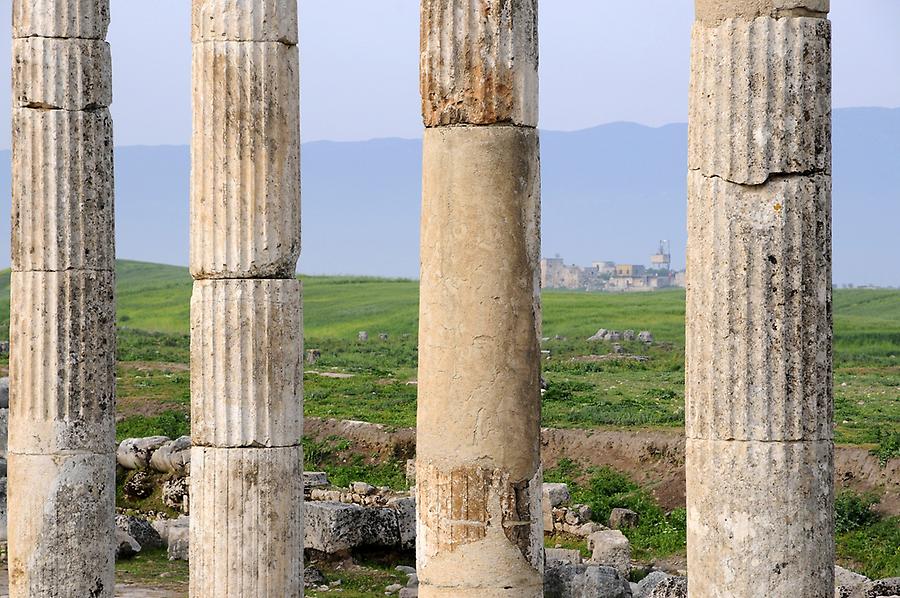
610, 276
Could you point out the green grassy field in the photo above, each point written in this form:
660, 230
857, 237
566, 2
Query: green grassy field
153, 316
154, 387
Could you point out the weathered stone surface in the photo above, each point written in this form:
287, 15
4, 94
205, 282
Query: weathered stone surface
479, 62
140, 530
406, 520
761, 99
62, 188
126, 546
760, 518
62, 371
882, 588
66, 74
246, 351
333, 527
759, 309
675, 587
611, 548
245, 182
164, 526
246, 522
649, 583
478, 341
565, 555
478, 471
62, 521
479, 531
4, 396
176, 494
846, 582
87, 19
555, 495
173, 456
179, 545
719, 10
244, 20
313, 479
623, 518
135, 453
565, 580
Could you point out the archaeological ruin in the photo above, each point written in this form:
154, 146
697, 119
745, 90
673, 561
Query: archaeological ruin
759, 363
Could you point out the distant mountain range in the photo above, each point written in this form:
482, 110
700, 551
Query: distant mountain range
609, 193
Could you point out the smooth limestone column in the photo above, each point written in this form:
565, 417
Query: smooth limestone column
478, 445
62, 325
759, 377
246, 322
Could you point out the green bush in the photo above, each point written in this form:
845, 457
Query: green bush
853, 511
888, 446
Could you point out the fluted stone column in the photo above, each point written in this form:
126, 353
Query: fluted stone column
478, 445
246, 323
759, 377
62, 325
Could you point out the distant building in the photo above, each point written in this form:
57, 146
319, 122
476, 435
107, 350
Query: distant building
609, 276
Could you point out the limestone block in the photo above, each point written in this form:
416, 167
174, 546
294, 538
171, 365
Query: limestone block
179, 545
719, 10
760, 518
245, 182
611, 548
246, 350
567, 580
61, 510
406, 520
245, 20
62, 370
653, 579
67, 74
4, 432
759, 309
86, 19
555, 495
671, 587
125, 546
62, 190
566, 555
141, 530
246, 522
332, 527
760, 98
314, 479
478, 531
479, 62
479, 357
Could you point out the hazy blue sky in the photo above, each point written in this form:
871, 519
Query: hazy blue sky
601, 61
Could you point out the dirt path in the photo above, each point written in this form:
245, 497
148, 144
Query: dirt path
654, 458
122, 590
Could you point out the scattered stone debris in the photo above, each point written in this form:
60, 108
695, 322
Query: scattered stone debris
363, 336
126, 546
383, 336
670, 587
623, 518
313, 356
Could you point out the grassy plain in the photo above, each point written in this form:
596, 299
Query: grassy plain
154, 383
